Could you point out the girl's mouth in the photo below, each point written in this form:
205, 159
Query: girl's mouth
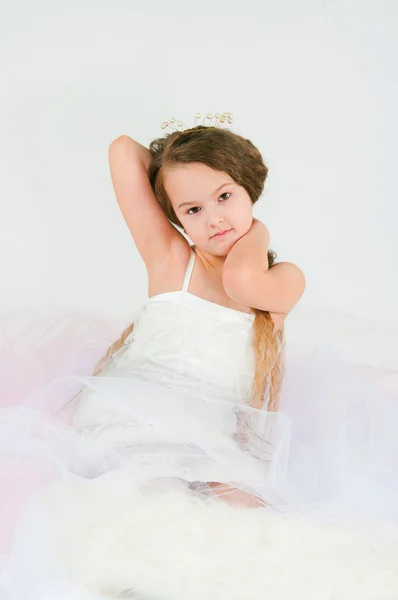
222, 234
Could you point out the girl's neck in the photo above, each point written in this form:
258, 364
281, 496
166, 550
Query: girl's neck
213, 264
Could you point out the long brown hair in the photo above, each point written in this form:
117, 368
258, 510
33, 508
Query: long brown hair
222, 150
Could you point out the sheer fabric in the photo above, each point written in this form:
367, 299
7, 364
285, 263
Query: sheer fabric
106, 481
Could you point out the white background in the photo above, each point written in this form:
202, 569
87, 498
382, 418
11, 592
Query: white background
314, 85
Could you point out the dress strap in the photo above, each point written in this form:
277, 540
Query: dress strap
188, 272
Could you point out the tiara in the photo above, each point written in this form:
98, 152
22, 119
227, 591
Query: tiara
213, 121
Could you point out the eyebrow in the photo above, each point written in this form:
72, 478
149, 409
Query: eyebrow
215, 192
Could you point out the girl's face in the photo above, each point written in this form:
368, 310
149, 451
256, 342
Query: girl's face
205, 208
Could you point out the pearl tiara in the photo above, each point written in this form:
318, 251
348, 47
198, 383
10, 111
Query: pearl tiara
213, 121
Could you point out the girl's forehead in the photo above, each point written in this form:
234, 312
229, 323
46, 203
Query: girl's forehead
201, 175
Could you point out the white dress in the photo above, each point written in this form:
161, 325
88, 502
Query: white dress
108, 494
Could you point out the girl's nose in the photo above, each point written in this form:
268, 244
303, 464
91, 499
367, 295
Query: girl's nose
215, 220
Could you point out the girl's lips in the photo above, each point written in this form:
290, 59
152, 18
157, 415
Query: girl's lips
222, 234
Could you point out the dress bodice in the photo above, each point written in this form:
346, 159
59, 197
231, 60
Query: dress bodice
186, 342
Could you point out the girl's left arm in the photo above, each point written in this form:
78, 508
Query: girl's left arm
247, 279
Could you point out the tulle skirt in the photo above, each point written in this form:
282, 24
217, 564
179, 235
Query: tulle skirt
121, 486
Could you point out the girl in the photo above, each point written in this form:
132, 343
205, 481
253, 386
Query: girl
147, 479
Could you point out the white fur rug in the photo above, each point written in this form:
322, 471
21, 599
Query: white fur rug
172, 546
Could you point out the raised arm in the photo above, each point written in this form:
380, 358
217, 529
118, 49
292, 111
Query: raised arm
153, 234
248, 280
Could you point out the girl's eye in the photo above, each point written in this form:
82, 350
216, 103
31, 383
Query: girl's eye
224, 195
189, 213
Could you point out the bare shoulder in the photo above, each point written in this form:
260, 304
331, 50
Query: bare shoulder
166, 274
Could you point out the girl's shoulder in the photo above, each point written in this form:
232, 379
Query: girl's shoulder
167, 274
170, 278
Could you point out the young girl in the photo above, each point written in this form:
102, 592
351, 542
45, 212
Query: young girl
142, 476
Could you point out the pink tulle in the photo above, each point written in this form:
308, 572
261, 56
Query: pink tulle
36, 349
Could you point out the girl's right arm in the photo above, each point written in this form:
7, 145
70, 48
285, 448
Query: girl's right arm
155, 237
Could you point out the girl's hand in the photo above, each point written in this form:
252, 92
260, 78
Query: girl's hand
235, 496
250, 251
256, 224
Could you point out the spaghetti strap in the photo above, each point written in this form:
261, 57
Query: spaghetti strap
188, 272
